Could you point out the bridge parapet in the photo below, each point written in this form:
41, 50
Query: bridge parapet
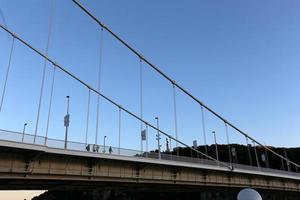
99, 151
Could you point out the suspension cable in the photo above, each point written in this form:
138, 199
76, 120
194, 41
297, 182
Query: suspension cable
107, 98
204, 130
87, 117
53, 74
170, 144
44, 70
249, 152
171, 80
175, 117
141, 102
228, 144
147, 138
50, 103
99, 85
7, 71
119, 138
256, 156
266, 158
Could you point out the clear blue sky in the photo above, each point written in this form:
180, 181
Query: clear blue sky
239, 57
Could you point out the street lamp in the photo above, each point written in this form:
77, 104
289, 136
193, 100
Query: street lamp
248, 194
216, 146
23, 133
67, 121
158, 137
104, 143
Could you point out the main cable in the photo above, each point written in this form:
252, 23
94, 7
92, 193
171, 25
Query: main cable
63, 69
171, 80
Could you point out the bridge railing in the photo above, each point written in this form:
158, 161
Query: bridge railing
100, 149
26, 138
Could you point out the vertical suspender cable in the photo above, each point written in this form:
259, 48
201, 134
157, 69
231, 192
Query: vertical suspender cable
249, 152
266, 157
256, 156
99, 86
50, 103
175, 117
228, 144
87, 117
287, 162
53, 79
119, 138
170, 143
204, 131
44, 71
147, 138
141, 102
282, 164
7, 72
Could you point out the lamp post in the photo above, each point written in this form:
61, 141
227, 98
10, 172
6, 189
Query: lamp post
23, 132
216, 146
67, 121
104, 139
158, 137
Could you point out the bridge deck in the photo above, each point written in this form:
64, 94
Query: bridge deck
54, 146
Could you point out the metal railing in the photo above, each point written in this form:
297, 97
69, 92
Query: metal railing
26, 138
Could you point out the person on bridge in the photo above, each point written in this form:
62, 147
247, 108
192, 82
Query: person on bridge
110, 150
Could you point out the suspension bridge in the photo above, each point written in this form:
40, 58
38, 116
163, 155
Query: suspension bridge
43, 162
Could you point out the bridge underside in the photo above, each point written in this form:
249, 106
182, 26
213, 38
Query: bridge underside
32, 169
77, 190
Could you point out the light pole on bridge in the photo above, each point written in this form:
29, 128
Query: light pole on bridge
216, 146
158, 138
23, 132
67, 121
104, 140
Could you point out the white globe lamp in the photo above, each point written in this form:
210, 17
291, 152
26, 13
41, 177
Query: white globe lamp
248, 194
